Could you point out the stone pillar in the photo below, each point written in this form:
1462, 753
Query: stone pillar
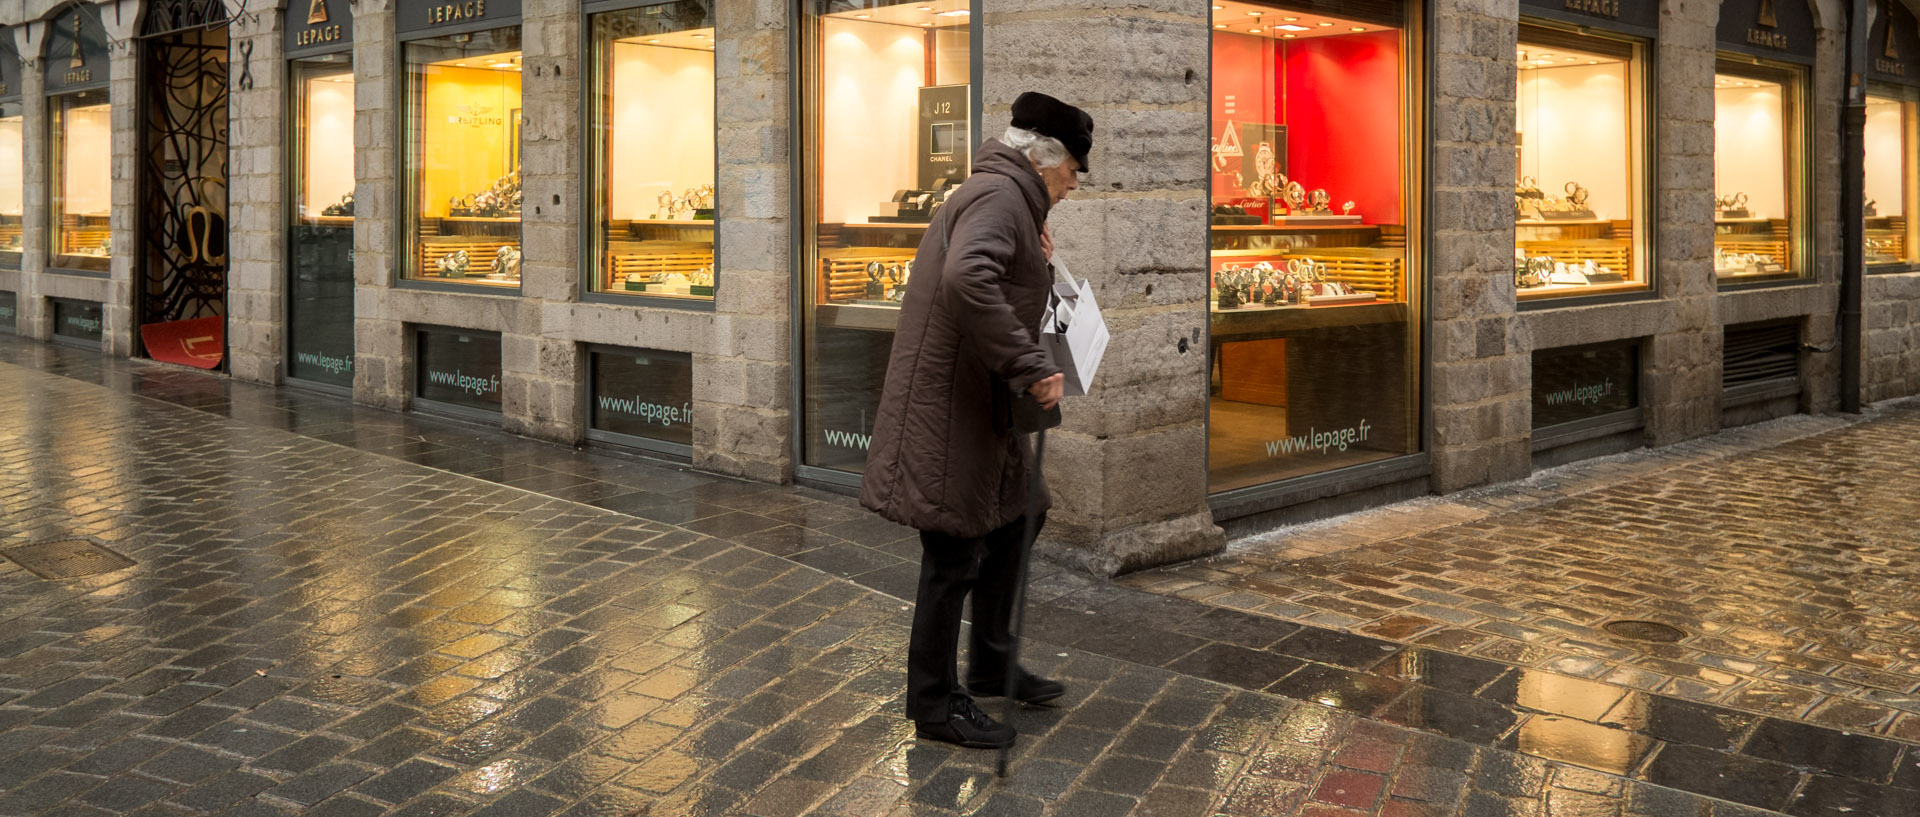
381, 354
1128, 470
1683, 362
1481, 382
35, 319
256, 197
539, 373
121, 20
1820, 371
743, 375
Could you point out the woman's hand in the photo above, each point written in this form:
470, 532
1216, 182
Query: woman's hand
1046, 241
1048, 390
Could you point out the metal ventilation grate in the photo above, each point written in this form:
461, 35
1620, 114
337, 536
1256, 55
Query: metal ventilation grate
1759, 354
66, 558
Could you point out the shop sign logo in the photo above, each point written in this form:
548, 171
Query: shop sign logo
477, 115
317, 16
1889, 61
456, 12
90, 326
78, 71
648, 412
336, 365
1609, 9
1227, 146
1321, 441
1768, 38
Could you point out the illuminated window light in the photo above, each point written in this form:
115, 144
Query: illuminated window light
1254, 14
927, 25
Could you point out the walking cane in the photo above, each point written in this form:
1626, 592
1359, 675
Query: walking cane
1028, 417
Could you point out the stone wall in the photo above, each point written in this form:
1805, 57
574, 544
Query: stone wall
1481, 373
256, 198
1128, 469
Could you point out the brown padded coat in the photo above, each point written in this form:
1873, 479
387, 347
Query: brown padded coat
944, 457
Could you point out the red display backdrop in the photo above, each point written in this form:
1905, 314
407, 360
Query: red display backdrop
1339, 99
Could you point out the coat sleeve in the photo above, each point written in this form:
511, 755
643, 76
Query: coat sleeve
979, 255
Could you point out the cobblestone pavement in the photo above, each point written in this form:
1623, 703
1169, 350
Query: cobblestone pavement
336, 610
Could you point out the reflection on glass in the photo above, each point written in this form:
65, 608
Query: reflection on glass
463, 157
1580, 181
82, 180
889, 137
1891, 189
320, 242
654, 129
13, 181
1313, 296
1758, 168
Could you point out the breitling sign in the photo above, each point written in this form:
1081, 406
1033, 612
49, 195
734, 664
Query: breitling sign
76, 55
324, 25
1772, 28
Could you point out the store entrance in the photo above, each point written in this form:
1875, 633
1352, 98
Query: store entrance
182, 274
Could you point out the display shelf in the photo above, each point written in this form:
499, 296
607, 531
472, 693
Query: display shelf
1378, 270
1355, 224
1565, 290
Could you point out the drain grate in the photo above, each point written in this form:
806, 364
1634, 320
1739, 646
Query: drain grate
66, 558
1645, 631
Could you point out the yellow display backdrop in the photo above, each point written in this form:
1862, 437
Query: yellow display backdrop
328, 175
12, 184
82, 181
1749, 143
1579, 194
662, 126
870, 86
1892, 190
469, 128
1760, 170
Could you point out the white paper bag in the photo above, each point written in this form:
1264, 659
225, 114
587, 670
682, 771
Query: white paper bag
1072, 331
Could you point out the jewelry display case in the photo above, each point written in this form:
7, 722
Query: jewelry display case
13, 182
889, 96
1580, 191
654, 86
463, 156
1892, 133
82, 181
1759, 169
1312, 296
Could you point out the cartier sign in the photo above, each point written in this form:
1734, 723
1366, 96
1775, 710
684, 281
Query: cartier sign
1771, 28
322, 26
421, 17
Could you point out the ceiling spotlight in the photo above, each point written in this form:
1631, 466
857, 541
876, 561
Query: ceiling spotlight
1326, 25
1290, 19
1291, 28
1254, 30
1356, 28
1219, 25
1287, 36
954, 13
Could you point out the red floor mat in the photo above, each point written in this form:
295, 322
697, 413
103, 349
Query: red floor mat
195, 342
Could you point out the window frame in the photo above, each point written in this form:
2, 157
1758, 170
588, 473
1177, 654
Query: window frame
1798, 173
593, 167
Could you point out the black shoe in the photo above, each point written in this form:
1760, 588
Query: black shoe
966, 725
1033, 688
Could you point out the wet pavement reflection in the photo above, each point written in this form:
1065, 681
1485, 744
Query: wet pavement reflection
318, 629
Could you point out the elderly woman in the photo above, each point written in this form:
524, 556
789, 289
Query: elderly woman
945, 459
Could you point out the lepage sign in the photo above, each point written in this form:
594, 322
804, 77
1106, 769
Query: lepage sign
322, 26
427, 17
1768, 28
1640, 15
76, 57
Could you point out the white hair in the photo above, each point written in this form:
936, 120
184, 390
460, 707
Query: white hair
1040, 149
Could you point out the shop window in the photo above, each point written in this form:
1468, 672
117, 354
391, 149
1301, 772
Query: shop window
82, 180
320, 245
13, 181
890, 135
463, 157
1890, 169
1315, 294
1759, 170
1580, 192
653, 152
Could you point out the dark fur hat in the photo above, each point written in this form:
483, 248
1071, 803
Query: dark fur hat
1047, 116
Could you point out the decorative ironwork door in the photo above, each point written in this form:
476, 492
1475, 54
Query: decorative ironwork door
183, 172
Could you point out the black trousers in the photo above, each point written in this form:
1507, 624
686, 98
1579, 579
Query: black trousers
952, 568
